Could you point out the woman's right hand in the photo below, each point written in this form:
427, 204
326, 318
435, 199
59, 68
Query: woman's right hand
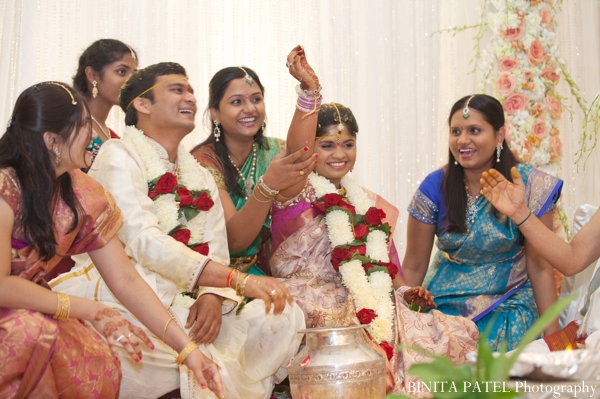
284, 172
119, 330
301, 70
206, 372
271, 291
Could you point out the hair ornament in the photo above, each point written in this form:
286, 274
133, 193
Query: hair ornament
153, 87
9, 123
67, 90
466, 110
132, 52
248, 78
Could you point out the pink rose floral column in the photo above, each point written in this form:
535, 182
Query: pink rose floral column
522, 64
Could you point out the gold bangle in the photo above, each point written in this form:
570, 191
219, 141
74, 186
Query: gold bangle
165, 329
243, 285
261, 201
266, 194
189, 348
63, 308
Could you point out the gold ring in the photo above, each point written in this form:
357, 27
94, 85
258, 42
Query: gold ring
120, 338
273, 293
287, 64
301, 173
129, 335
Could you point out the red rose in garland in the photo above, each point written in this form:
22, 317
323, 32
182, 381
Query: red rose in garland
185, 196
338, 256
392, 268
152, 194
365, 316
361, 249
361, 231
389, 351
166, 183
333, 200
202, 248
374, 216
203, 202
182, 235
349, 208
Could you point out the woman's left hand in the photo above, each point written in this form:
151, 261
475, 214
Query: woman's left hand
284, 171
419, 296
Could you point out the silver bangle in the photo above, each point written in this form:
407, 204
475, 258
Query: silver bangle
308, 93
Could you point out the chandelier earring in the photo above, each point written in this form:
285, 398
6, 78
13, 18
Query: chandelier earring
264, 126
95, 89
216, 130
56, 155
499, 148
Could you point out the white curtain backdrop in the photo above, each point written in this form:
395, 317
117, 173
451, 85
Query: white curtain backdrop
381, 58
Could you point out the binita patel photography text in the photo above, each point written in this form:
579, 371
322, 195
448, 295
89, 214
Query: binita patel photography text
575, 390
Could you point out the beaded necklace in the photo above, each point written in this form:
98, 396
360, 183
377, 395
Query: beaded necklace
248, 182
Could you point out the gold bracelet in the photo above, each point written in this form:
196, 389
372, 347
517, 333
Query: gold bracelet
261, 201
265, 193
165, 329
243, 285
240, 276
189, 348
63, 309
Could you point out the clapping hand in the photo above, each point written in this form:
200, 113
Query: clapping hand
301, 70
507, 197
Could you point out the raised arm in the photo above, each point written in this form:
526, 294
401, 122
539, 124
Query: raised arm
568, 258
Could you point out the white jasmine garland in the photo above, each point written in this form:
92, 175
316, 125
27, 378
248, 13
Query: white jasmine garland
190, 176
339, 228
377, 246
373, 292
183, 301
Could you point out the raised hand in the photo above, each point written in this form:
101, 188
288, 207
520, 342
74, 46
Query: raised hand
301, 70
283, 172
507, 197
271, 291
206, 372
119, 330
419, 296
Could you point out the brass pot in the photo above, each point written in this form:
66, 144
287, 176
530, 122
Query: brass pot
337, 363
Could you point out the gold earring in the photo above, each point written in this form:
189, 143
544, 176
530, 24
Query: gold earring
95, 89
56, 155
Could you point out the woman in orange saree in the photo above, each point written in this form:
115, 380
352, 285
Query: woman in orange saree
51, 209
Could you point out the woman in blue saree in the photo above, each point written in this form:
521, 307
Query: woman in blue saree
484, 268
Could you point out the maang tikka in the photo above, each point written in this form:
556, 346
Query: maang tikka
340, 125
466, 111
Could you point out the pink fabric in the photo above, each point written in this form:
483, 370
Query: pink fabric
41, 356
303, 260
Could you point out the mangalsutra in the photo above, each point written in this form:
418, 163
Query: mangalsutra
248, 182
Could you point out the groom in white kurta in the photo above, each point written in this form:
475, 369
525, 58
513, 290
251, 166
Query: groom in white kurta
252, 349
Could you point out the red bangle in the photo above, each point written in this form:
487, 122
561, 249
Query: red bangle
229, 276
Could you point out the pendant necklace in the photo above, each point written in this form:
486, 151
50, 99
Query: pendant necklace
248, 182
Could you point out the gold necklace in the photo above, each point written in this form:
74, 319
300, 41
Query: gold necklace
101, 129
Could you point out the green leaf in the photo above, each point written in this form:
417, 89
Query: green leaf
386, 228
361, 258
189, 212
179, 226
376, 269
339, 208
358, 219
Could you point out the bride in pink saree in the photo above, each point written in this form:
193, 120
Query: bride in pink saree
332, 246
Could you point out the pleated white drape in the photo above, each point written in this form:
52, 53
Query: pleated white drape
381, 58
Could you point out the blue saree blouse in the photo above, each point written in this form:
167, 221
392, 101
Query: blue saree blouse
482, 274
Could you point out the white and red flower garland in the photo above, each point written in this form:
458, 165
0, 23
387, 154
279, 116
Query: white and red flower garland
180, 203
359, 240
